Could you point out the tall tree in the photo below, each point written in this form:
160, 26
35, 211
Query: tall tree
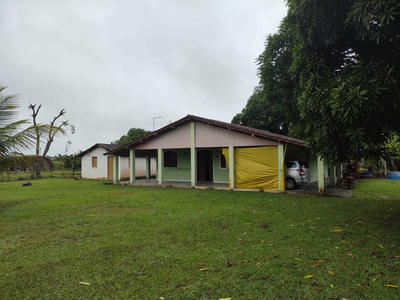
333, 69
13, 139
348, 61
53, 130
133, 134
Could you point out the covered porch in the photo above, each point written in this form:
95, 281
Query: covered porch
198, 151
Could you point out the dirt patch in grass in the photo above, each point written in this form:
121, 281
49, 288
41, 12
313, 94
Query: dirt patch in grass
8, 204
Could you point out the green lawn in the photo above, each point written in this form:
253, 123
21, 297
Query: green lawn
69, 239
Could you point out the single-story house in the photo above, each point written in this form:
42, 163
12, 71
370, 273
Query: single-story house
197, 150
96, 164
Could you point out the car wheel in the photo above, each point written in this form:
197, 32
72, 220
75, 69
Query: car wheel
290, 184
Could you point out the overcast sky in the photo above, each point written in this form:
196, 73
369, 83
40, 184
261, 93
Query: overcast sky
114, 65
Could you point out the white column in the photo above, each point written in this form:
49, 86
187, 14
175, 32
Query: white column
321, 176
132, 165
160, 169
281, 169
116, 169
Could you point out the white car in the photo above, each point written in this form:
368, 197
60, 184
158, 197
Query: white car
296, 173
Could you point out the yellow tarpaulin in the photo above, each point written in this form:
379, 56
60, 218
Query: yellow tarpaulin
256, 168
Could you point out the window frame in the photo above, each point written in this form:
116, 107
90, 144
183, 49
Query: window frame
94, 162
170, 161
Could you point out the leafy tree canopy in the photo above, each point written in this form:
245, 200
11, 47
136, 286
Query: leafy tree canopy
133, 134
334, 69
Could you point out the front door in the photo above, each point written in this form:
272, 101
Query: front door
110, 168
205, 165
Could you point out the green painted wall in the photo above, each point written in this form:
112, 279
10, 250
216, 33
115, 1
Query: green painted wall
182, 172
313, 167
220, 175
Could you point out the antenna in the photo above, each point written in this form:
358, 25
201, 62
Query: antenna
154, 126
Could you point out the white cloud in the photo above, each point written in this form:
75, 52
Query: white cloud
114, 65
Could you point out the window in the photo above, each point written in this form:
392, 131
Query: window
291, 165
303, 164
222, 161
170, 159
94, 161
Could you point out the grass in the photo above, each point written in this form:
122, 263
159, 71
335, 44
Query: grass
68, 239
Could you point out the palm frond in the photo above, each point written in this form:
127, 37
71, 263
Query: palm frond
8, 107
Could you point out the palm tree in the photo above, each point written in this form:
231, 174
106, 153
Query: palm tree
12, 139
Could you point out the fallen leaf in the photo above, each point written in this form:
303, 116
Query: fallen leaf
330, 272
297, 259
331, 285
224, 298
228, 264
391, 286
381, 246
84, 283
337, 230
308, 276
204, 269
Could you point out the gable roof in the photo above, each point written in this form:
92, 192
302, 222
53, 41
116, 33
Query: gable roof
107, 147
124, 149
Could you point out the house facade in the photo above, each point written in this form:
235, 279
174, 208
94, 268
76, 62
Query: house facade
198, 150
97, 165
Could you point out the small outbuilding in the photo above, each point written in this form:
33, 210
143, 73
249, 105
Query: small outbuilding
96, 164
199, 150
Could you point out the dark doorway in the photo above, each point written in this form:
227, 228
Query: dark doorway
205, 165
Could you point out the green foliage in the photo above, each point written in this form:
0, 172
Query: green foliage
348, 61
133, 134
331, 76
146, 243
12, 138
392, 155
